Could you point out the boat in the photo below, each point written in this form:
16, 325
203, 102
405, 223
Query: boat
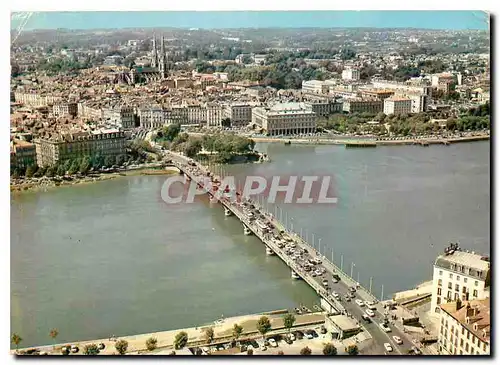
269, 251
247, 231
288, 143
298, 311
295, 275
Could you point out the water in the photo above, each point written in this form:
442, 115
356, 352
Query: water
112, 258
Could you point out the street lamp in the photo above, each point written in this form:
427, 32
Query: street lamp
352, 267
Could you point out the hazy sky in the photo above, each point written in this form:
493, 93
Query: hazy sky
452, 20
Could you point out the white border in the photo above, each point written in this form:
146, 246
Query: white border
152, 5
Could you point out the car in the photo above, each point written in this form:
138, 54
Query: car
388, 347
360, 302
74, 349
352, 295
266, 343
323, 330
366, 318
352, 289
385, 327
335, 295
398, 340
101, 346
273, 342
370, 313
313, 333
292, 337
263, 348
288, 340
309, 335
299, 335
416, 350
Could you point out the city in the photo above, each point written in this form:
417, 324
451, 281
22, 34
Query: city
125, 113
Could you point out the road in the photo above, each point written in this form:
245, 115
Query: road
297, 254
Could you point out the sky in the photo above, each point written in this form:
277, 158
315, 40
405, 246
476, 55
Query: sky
451, 20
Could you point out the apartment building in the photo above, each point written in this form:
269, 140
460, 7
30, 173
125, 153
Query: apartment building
90, 111
351, 74
215, 114
196, 114
418, 88
240, 114
22, 154
465, 328
397, 105
65, 109
152, 117
79, 144
460, 275
285, 119
363, 106
36, 99
315, 86
123, 116
325, 108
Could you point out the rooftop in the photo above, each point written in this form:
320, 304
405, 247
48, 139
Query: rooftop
473, 315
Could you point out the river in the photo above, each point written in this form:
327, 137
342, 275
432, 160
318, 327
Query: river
112, 258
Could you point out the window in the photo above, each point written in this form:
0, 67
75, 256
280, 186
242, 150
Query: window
450, 285
451, 276
440, 282
466, 347
468, 336
449, 295
463, 331
457, 287
474, 293
456, 296
439, 291
462, 341
476, 283
461, 352
465, 280
452, 266
464, 289
484, 347
458, 277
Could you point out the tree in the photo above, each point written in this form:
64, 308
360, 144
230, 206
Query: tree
250, 352
237, 331
181, 339
53, 333
226, 122
121, 346
288, 321
192, 148
120, 159
151, 343
16, 340
171, 132
109, 161
306, 351
280, 352
263, 326
329, 350
30, 171
209, 334
352, 350
73, 167
91, 349
85, 164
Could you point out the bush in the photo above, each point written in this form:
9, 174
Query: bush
151, 343
306, 351
121, 346
91, 349
249, 352
181, 339
352, 350
329, 350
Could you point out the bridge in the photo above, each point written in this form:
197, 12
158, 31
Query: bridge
340, 294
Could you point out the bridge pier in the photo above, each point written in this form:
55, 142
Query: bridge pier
295, 275
227, 212
246, 230
269, 251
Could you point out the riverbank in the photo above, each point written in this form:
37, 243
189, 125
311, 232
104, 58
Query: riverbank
398, 142
44, 183
165, 339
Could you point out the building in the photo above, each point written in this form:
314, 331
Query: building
397, 105
341, 326
240, 114
315, 86
65, 109
465, 328
152, 117
403, 87
80, 144
215, 114
177, 114
196, 114
22, 154
350, 74
285, 119
325, 108
460, 275
35, 99
378, 94
363, 106
122, 116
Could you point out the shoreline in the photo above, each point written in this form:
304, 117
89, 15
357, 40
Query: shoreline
346, 141
47, 184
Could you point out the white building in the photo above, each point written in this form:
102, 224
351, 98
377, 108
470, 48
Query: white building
285, 119
465, 328
459, 275
403, 87
315, 86
215, 114
152, 117
397, 105
350, 74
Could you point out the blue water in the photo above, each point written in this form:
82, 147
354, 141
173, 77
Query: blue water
452, 20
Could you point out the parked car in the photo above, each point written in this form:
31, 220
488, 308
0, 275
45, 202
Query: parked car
366, 318
273, 342
370, 313
360, 302
323, 330
385, 327
288, 340
309, 335
74, 349
292, 337
388, 347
